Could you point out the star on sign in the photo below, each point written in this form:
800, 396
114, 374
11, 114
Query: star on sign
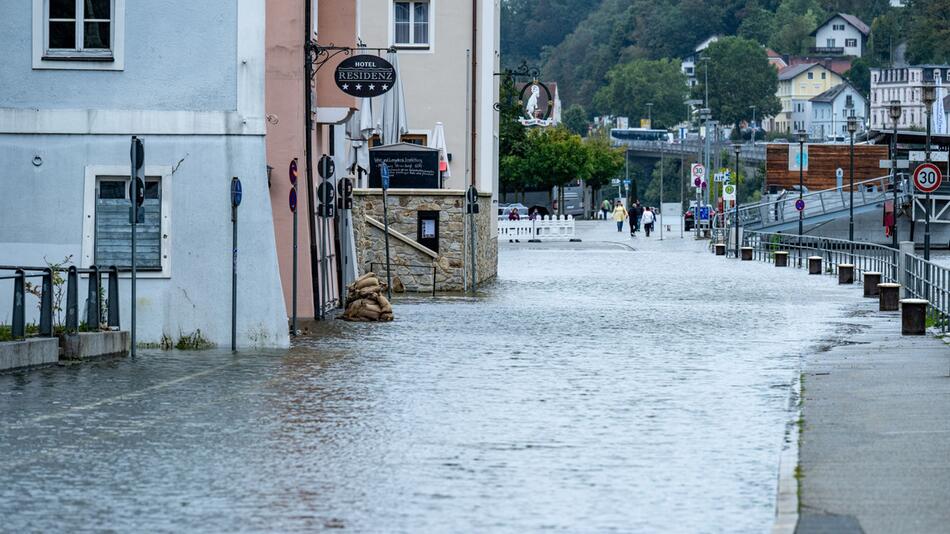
346, 86
358, 87
385, 87
371, 87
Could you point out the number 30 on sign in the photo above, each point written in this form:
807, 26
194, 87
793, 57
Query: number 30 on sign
927, 178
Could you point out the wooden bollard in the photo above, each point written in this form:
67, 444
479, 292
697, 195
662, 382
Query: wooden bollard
720, 249
871, 280
781, 259
889, 297
746, 253
845, 273
914, 317
814, 265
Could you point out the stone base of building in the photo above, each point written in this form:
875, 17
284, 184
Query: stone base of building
35, 352
421, 268
89, 345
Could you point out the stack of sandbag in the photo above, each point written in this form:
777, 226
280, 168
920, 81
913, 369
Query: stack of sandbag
366, 302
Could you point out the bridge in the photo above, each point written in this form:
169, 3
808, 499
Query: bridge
749, 154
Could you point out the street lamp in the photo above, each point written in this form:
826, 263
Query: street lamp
737, 148
928, 95
895, 113
852, 127
704, 115
650, 113
753, 125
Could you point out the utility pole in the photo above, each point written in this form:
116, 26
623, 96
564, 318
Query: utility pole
895, 114
928, 97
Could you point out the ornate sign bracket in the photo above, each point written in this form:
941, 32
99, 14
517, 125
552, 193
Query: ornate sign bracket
320, 54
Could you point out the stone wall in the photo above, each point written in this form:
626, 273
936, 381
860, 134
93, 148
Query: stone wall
403, 207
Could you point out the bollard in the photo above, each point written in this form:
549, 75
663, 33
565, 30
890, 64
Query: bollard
889, 297
746, 253
781, 259
720, 249
913, 317
871, 280
114, 297
18, 328
72, 300
845, 273
814, 265
92, 299
46, 304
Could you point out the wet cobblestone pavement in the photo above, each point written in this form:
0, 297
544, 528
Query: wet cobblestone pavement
634, 386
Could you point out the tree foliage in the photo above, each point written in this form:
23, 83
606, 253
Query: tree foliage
740, 76
633, 85
928, 31
575, 119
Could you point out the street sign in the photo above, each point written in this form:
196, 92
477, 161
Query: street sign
800, 205
326, 167
721, 177
901, 164
326, 193
729, 192
237, 192
927, 178
293, 200
697, 170
697, 182
921, 155
627, 183
615, 182
704, 213
137, 193
472, 197
365, 76
346, 193
293, 172
839, 173
384, 174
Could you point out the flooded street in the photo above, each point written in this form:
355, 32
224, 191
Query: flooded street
637, 386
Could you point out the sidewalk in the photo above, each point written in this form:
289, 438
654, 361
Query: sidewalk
875, 444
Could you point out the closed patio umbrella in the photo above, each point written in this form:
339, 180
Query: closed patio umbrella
438, 142
393, 122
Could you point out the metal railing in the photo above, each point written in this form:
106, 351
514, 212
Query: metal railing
819, 203
866, 257
748, 153
94, 298
926, 280
406, 269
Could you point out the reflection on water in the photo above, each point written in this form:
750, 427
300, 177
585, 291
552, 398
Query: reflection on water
587, 390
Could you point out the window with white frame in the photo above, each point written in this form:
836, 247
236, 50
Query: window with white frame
412, 24
851, 43
79, 28
113, 230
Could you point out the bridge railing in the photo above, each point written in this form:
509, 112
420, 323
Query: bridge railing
818, 203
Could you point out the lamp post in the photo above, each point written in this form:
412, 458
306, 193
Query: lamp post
704, 116
895, 113
928, 95
737, 148
650, 113
753, 125
852, 127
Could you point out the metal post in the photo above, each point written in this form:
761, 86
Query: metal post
308, 156
895, 115
234, 256
293, 298
389, 282
46, 304
72, 299
927, 201
18, 328
92, 297
114, 297
661, 194
738, 148
851, 197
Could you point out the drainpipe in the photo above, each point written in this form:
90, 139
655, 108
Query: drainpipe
308, 157
474, 86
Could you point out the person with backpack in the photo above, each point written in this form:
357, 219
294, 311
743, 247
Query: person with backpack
647, 220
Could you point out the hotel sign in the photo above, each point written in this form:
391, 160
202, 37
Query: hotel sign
365, 76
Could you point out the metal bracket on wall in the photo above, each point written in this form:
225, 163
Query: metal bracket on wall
320, 54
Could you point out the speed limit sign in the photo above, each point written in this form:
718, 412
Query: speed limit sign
927, 178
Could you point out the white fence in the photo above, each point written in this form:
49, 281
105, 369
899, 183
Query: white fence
540, 229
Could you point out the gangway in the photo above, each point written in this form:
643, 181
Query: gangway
822, 206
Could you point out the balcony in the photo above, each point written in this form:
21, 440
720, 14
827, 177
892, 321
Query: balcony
826, 50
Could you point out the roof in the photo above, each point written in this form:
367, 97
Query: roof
850, 19
789, 73
831, 94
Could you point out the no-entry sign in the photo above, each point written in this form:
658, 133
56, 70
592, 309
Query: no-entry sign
927, 178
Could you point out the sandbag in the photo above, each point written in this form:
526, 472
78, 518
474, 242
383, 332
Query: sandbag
365, 282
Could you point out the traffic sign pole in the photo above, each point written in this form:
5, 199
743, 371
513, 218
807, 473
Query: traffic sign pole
293, 196
384, 174
927, 179
236, 195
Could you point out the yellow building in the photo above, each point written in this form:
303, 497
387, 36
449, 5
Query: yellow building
797, 85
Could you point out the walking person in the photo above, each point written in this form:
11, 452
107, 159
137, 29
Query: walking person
605, 208
620, 213
513, 215
636, 212
647, 221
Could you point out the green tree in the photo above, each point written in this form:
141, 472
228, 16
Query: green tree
860, 76
928, 32
740, 76
794, 21
575, 119
631, 86
758, 25
512, 141
887, 33
554, 157
605, 162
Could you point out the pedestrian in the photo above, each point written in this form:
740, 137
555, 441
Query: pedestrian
513, 215
636, 213
605, 208
620, 213
647, 221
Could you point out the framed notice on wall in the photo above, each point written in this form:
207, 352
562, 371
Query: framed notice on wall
410, 166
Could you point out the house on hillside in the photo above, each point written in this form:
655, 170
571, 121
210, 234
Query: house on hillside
903, 85
841, 35
691, 62
797, 85
830, 111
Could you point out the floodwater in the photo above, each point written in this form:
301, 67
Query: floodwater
639, 386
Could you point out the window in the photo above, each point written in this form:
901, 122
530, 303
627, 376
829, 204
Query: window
113, 238
824, 75
78, 34
416, 139
851, 43
811, 75
837, 27
830, 43
849, 101
411, 24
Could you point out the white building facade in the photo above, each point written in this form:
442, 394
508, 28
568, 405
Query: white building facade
841, 35
831, 109
79, 79
903, 85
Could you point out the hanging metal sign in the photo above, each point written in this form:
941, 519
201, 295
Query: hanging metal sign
365, 76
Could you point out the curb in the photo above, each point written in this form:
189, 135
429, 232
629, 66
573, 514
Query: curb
786, 501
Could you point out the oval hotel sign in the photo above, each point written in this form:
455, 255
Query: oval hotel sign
365, 76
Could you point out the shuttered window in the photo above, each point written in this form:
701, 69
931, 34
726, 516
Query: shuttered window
114, 230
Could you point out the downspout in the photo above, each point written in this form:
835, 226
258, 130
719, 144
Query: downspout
474, 117
308, 156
